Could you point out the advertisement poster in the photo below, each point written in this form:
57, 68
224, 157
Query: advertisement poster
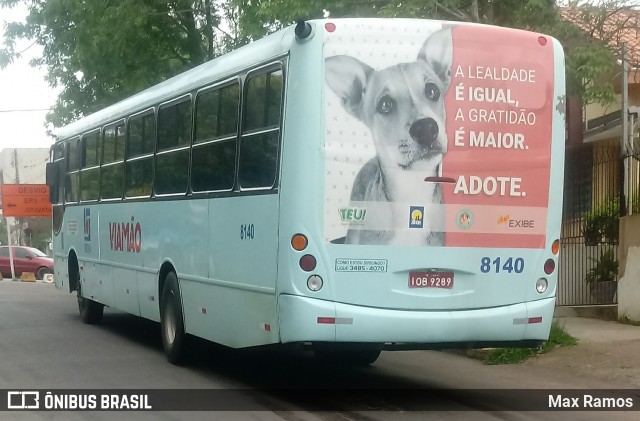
437, 135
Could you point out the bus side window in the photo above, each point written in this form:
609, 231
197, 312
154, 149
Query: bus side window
73, 176
59, 173
174, 140
112, 181
90, 167
140, 144
261, 130
214, 150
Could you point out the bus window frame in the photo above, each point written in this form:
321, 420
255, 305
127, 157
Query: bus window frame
271, 67
148, 155
234, 80
187, 97
56, 170
113, 125
71, 171
83, 160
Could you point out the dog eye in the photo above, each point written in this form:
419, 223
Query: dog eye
432, 91
385, 105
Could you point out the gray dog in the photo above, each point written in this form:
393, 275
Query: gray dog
403, 106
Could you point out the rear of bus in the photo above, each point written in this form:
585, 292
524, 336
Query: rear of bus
438, 188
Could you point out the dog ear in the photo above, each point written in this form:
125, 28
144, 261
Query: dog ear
437, 51
347, 77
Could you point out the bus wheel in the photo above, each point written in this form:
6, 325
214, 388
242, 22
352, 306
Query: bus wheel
347, 353
90, 311
171, 321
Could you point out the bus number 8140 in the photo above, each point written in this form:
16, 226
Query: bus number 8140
510, 265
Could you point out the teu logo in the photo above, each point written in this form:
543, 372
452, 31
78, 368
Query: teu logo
416, 216
516, 223
352, 215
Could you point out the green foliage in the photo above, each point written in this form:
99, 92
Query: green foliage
510, 355
557, 337
605, 269
590, 62
602, 223
101, 52
513, 13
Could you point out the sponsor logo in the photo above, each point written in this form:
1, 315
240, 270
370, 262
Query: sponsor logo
516, 223
352, 215
416, 217
464, 219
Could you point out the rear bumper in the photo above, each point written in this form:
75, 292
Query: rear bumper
304, 319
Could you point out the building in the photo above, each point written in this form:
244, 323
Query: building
602, 171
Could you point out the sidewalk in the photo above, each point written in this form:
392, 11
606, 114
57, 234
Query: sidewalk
586, 329
607, 351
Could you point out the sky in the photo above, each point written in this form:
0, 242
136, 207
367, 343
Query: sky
23, 87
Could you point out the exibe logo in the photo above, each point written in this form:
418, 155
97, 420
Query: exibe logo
352, 215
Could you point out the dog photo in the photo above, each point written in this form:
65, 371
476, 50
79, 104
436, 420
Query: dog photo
398, 191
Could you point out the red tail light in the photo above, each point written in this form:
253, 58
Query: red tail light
549, 266
307, 263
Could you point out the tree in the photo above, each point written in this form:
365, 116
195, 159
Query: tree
589, 57
100, 52
103, 51
593, 34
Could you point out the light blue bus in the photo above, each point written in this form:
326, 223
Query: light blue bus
353, 185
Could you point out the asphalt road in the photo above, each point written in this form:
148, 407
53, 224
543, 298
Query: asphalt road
45, 346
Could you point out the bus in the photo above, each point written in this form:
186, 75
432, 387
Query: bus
347, 185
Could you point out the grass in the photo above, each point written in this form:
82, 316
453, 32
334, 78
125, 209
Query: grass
557, 337
626, 320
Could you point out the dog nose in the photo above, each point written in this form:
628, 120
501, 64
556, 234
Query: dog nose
424, 131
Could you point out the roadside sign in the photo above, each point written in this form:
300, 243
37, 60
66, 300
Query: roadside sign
21, 200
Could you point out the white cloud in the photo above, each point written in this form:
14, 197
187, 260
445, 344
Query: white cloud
23, 87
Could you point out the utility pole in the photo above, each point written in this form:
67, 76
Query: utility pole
17, 178
625, 134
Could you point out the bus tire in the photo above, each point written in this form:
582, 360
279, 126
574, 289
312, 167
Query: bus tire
347, 353
90, 311
174, 340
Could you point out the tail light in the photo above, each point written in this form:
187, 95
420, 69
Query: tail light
307, 263
299, 242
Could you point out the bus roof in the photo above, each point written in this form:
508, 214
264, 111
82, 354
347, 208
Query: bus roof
217, 69
226, 65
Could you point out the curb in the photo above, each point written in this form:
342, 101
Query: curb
603, 312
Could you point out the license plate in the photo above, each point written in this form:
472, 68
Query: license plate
431, 280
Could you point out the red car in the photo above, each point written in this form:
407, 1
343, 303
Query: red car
25, 259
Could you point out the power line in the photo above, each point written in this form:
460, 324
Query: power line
26, 110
